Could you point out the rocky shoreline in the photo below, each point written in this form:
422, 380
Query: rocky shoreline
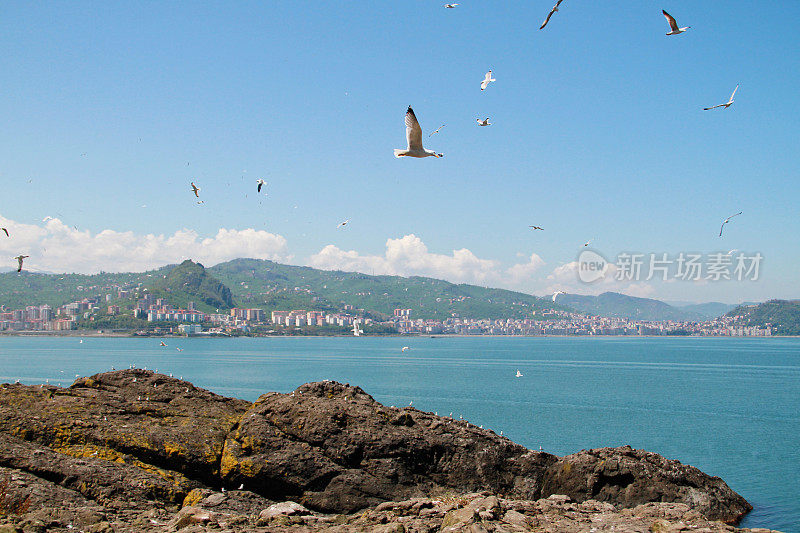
133, 450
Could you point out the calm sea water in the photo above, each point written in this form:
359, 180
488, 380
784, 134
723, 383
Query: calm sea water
731, 407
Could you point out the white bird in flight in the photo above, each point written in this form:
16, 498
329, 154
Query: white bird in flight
487, 80
405, 348
19, 259
451, 6
726, 221
555, 294
414, 137
45, 219
6, 232
484, 122
552, 11
730, 252
587, 242
727, 104
342, 224
195, 190
436, 130
673, 25
260, 184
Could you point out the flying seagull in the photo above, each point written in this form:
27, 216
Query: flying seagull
730, 252
6, 231
436, 130
536, 227
45, 219
451, 6
195, 190
414, 137
19, 259
484, 122
552, 11
727, 104
673, 25
260, 183
555, 294
486, 80
726, 221
587, 242
342, 224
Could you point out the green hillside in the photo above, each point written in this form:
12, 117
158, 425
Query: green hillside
624, 306
191, 282
782, 315
272, 285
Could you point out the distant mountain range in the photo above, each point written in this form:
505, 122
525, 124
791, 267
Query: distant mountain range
275, 286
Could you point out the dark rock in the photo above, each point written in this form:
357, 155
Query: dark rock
119, 443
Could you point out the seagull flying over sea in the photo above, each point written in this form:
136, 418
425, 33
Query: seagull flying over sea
673, 25
195, 190
260, 183
555, 294
484, 122
414, 137
451, 6
727, 104
730, 252
552, 12
726, 221
19, 259
436, 130
45, 219
342, 224
587, 242
536, 227
487, 80
6, 232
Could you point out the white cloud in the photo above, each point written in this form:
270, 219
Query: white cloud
56, 247
523, 272
408, 256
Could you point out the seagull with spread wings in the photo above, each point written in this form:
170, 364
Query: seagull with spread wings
552, 12
195, 190
727, 104
343, 224
536, 227
487, 80
726, 221
451, 6
555, 294
19, 259
436, 130
414, 138
673, 25
484, 122
261, 183
6, 232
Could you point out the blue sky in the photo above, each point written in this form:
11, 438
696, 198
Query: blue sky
598, 133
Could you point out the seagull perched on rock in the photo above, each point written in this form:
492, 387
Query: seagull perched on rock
720, 228
6, 232
19, 259
195, 190
487, 80
552, 12
727, 104
414, 137
673, 25
260, 183
536, 227
484, 122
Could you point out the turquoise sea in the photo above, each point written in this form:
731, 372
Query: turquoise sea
731, 407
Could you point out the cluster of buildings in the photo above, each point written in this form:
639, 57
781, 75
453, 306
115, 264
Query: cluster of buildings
564, 323
192, 321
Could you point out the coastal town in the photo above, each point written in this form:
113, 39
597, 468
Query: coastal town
156, 316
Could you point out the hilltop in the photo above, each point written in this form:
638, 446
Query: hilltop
191, 282
614, 304
782, 315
